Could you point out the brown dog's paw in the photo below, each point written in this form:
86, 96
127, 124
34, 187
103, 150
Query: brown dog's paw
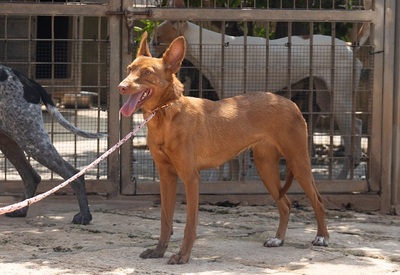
320, 241
178, 259
151, 253
273, 242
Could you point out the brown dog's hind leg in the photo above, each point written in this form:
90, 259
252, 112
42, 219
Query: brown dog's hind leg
168, 184
266, 158
302, 172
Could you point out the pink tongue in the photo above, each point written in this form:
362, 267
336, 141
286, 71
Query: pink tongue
129, 106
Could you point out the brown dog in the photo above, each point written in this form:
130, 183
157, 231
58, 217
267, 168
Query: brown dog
189, 134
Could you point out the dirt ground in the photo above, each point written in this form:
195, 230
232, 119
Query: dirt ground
229, 240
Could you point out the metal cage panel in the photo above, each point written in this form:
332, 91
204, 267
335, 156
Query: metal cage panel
330, 80
69, 57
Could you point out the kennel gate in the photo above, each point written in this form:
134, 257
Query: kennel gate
66, 47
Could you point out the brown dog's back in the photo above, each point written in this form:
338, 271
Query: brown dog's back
261, 117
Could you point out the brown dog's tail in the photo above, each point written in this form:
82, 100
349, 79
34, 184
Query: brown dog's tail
288, 183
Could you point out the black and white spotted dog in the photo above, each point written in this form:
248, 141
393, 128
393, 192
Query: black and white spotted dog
22, 130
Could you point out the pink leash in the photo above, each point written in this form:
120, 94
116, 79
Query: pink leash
28, 202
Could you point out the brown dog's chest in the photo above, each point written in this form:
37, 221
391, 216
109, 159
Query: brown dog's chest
164, 135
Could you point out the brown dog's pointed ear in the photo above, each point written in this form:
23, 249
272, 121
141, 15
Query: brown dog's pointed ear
174, 55
144, 47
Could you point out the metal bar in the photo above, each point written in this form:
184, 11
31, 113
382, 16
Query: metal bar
74, 68
311, 126
289, 61
245, 65
332, 95
52, 81
201, 61
30, 43
267, 30
396, 123
387, 107
206, 14
5, 37
354, 104
127, 170
52, 9
377, 39
114, 164
99, 25
222, 95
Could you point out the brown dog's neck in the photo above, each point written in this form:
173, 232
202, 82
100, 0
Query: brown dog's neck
177, 87
169, 98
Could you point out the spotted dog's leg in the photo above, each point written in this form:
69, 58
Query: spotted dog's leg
28, 175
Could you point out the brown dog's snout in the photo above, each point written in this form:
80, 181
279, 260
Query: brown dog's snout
123, 87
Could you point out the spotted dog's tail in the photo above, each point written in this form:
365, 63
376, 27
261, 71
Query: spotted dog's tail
55, 113
35, 93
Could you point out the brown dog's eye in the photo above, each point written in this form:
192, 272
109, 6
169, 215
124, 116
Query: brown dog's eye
146, 72
128, 70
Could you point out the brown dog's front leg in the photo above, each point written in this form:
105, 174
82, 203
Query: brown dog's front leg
168, 183
192, 202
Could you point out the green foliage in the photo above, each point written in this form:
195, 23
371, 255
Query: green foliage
140, 27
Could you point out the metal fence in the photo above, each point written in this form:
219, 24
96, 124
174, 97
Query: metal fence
69, 57
330, 79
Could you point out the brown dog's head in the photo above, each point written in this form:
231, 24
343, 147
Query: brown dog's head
151, 82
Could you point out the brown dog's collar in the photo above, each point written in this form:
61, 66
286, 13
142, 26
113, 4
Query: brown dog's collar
169, 104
